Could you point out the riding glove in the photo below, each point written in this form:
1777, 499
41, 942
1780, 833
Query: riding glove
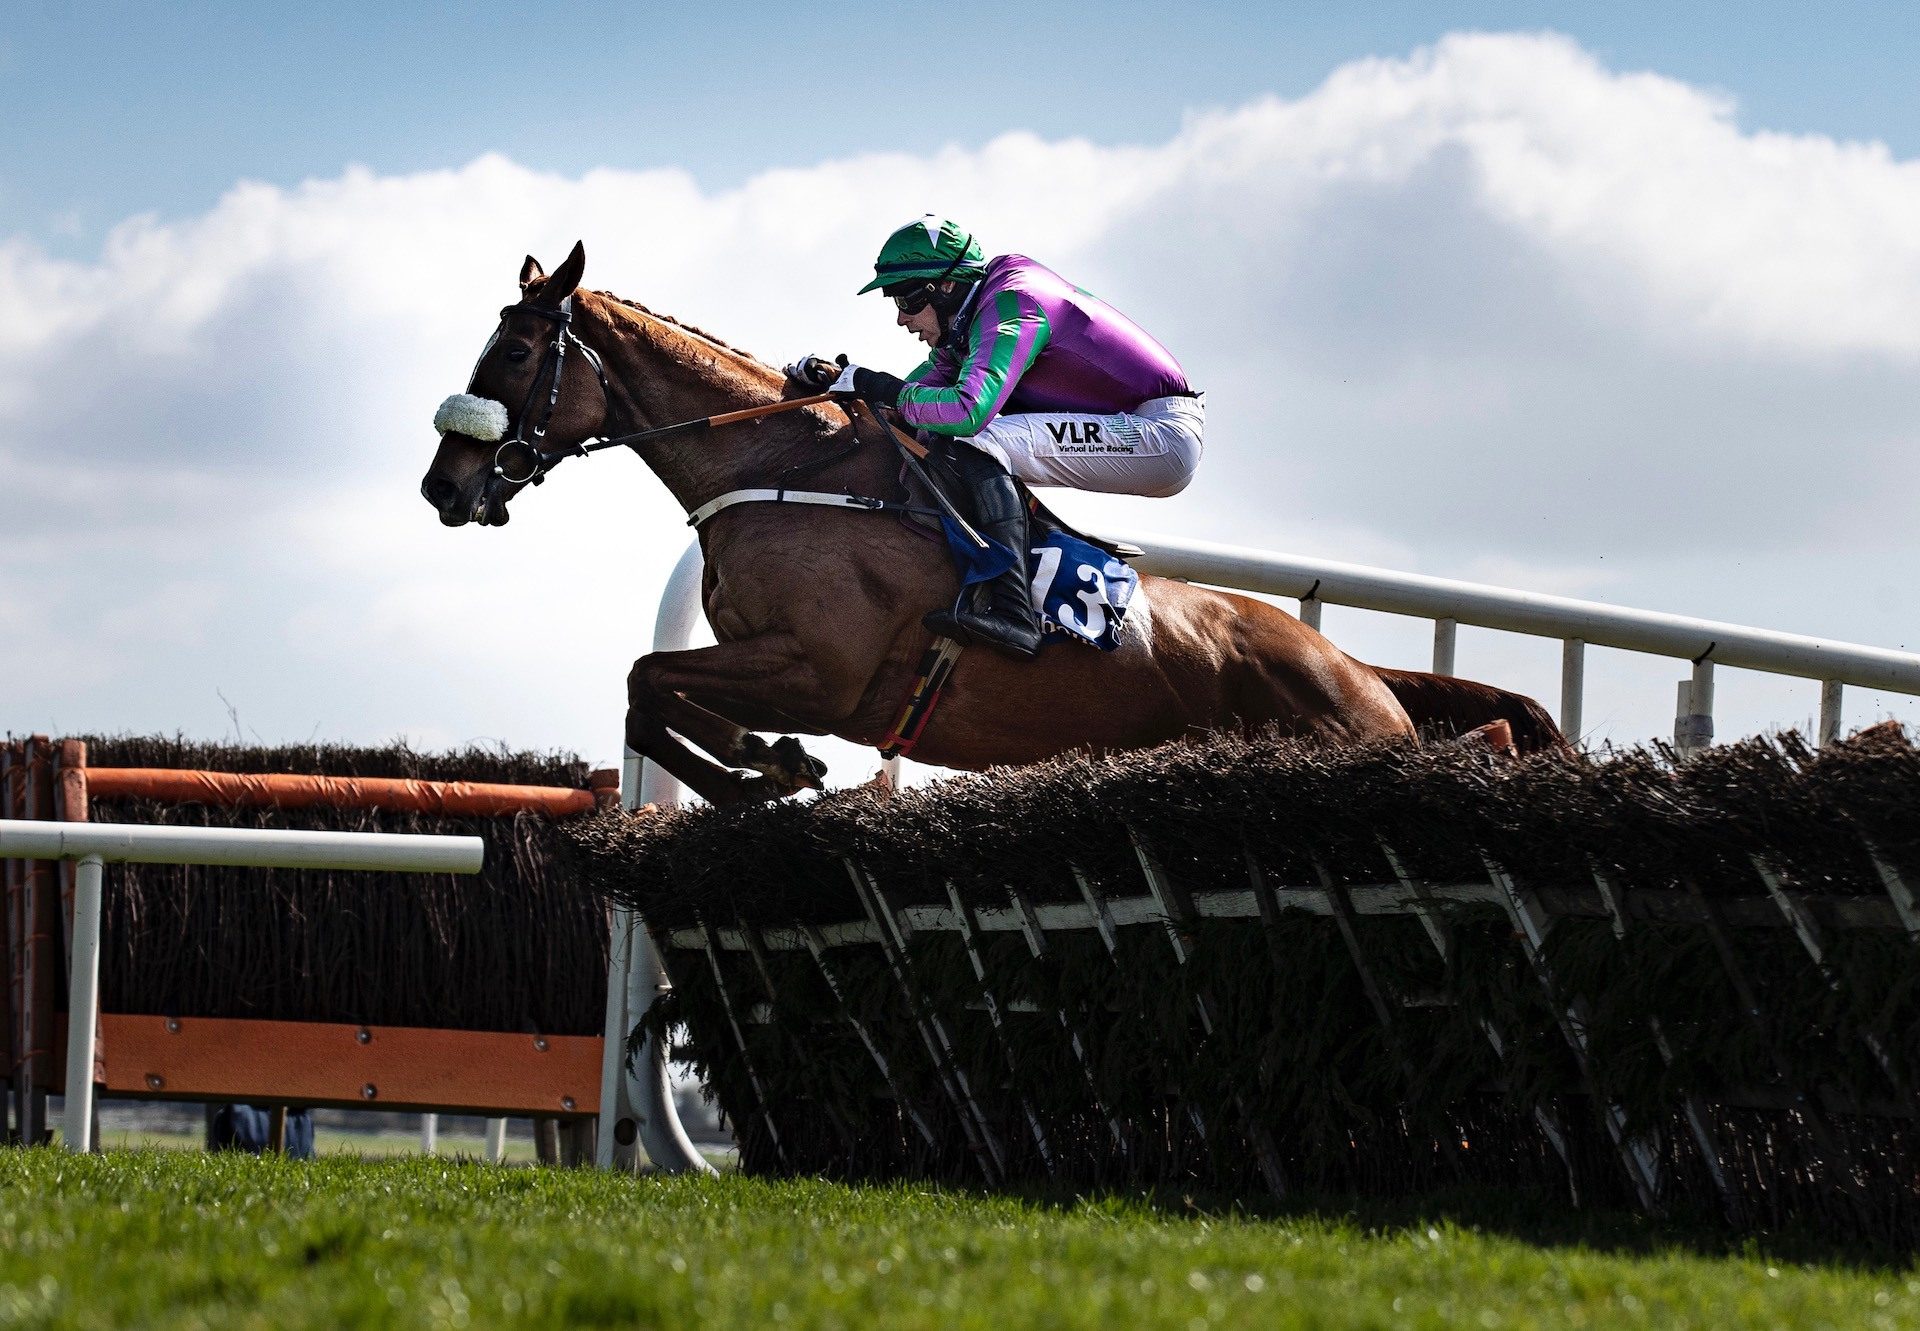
815, 372
841, 375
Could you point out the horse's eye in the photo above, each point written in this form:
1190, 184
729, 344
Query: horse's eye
518, 354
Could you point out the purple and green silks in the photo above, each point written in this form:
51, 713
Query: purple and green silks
1028, 340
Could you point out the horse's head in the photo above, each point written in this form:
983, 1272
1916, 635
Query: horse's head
535, 387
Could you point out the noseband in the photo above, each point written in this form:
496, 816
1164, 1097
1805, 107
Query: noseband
534, 461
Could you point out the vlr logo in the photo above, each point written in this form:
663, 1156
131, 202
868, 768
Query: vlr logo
1074, 432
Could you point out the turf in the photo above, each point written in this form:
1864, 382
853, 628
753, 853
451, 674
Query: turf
174, 1239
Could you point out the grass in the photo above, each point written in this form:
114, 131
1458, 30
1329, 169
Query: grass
178, 1239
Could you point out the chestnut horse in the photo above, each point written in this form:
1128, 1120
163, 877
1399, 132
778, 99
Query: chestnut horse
817, 610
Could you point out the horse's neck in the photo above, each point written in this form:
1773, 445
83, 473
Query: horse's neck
662, 374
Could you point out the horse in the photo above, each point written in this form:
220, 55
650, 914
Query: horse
817, 610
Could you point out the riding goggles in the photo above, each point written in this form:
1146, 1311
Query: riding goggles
916, 300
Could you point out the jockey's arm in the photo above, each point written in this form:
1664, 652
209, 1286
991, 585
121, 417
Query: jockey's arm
1005, 341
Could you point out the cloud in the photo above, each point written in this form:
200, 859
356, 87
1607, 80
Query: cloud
1490, 307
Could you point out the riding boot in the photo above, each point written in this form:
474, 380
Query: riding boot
998, 613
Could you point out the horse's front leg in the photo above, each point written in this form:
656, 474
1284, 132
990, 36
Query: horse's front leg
763, 673
783, 761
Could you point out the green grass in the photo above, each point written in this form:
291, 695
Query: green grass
177, 1239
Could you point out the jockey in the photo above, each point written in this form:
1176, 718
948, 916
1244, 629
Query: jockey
1043, 380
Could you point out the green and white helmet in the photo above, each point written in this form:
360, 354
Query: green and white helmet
929, 249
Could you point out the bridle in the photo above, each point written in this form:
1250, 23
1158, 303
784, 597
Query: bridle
538, 460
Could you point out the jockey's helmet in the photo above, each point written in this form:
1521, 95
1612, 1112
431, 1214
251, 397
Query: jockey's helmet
925, 250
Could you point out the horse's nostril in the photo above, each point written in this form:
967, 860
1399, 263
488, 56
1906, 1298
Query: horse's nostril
438, 490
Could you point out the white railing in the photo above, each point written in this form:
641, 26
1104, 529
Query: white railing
1577, 624
94, 844
644, 1100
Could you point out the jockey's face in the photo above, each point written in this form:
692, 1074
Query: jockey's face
923, 323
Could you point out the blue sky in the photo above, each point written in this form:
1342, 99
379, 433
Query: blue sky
114, 109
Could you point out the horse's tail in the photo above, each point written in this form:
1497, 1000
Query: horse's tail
1449, 706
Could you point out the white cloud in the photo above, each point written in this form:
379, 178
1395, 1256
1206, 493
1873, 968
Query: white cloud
1491, 311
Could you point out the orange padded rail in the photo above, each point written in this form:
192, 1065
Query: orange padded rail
289, 791
346, 1066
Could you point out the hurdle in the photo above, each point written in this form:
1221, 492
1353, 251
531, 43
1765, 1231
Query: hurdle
640, 1104
92, 845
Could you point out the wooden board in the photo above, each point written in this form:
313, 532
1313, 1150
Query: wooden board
286, 790
346, 1066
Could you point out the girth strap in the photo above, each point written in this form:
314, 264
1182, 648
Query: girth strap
863, 503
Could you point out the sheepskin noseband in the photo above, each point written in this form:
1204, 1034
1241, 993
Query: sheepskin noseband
476, 417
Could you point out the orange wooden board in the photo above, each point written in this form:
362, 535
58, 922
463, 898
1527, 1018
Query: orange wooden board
286, 790
346, 1066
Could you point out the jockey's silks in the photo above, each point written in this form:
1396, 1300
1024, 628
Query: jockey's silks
1028, 340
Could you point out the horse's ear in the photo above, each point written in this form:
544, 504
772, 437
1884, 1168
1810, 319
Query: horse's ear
530, 271
566, 278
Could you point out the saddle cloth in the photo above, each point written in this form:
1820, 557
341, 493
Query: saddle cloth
1080, 591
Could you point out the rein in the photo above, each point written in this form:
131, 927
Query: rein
538, 460
543, 460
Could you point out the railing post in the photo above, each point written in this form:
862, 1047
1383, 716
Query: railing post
1693, 710
83, 1004
1573, 686
1445, 631
1831, 693
1310, 611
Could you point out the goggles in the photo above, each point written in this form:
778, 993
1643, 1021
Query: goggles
912, 302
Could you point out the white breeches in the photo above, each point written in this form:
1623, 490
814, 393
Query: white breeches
1152, 450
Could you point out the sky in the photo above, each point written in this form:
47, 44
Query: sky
1608, 301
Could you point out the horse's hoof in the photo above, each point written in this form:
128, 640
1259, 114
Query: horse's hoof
802, 769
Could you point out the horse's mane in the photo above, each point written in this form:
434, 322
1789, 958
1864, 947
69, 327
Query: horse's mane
686, 327
751, 362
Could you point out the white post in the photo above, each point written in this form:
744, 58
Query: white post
1310, 612
496, 1148
83, 1004
429, 1134
1693, 711
1573, 686
642, 1103
1703, 701
1831, 692
1445, 631
608, 1151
